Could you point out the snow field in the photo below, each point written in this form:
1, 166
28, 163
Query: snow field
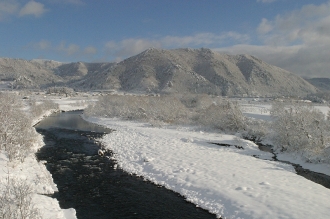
256, 110
227, 181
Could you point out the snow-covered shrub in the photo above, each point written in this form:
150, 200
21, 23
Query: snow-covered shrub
300, 128
319, 97
196, 101
166, 109
17, 136
81, 103
255, 130
60, 90
225, 115
38, 108
201, 110
126, 107
16, 200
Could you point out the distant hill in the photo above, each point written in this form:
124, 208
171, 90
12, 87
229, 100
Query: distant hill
197, 71
28, 74
323, 84
162, 71
38, 73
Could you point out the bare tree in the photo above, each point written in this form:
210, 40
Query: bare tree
16, 200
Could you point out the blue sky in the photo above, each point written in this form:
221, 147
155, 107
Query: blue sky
292, 34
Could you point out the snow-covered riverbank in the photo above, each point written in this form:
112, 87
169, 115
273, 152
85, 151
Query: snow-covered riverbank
225, 180
35, 175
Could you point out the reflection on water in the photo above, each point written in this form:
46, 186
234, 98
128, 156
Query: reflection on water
70, 120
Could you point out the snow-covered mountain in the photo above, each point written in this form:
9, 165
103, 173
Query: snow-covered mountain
197, 71
321, 83
39, 73
164, 71
29, 74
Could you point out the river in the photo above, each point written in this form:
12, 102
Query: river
92, 185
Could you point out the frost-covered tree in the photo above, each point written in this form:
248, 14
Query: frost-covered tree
37, 108
225, 115
221, 114
301, 128
196, 101
256, 130
60, 90
16, 200
17, 138
16, 134
144, 108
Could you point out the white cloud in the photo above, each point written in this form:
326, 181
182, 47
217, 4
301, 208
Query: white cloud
8, 7
74, 2
298, 41
133, 46
42, 45
32, 8
266, 1
69, 50
90, 50
310, 24
304, 60
202, 39
72, 49
130, 47
265, 26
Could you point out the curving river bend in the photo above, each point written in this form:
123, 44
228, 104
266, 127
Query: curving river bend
92, 184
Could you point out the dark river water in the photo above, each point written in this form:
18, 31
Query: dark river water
92, 185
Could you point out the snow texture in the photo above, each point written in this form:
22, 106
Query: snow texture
35, 174
227, 181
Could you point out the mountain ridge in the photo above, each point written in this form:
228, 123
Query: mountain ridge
163, 71
200, 71
322, 84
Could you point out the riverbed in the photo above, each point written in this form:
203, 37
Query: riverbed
93, 185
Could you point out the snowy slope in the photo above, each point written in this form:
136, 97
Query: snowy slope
197, 71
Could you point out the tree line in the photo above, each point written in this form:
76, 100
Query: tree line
17, 140
295, 126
